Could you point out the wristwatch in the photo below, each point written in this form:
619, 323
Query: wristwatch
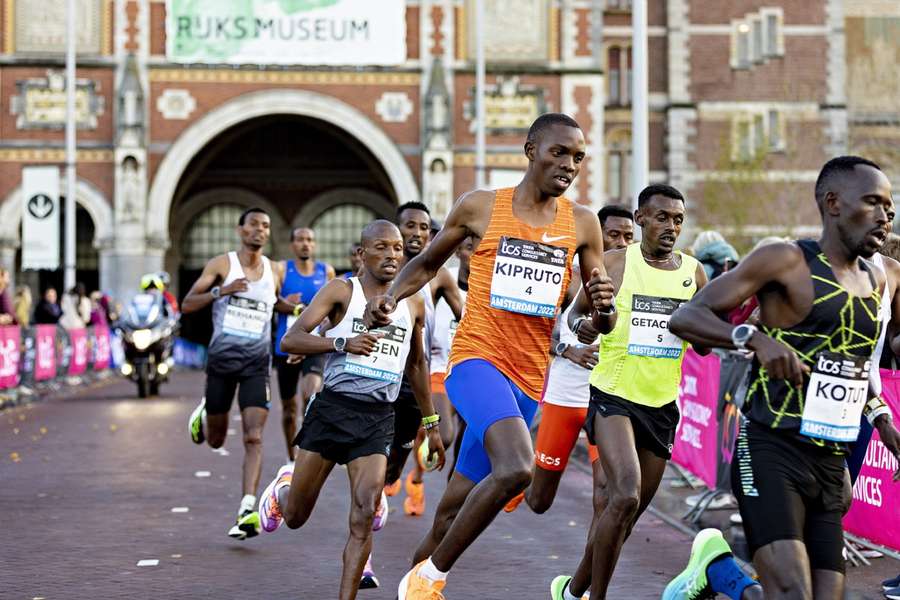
741, 335
215, 292
560, 348
339, 344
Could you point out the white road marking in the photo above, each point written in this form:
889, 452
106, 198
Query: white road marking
202, 474
180, 509
148, 562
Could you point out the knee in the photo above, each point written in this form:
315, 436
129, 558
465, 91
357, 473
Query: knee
515, 477
624, 503
289, 409
253, 438
362, 513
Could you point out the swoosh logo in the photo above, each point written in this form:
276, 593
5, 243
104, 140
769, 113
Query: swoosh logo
549, 240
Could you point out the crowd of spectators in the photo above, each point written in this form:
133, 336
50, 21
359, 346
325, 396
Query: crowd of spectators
74, 310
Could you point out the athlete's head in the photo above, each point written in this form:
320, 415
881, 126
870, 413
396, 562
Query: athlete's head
660, 215
254, 227
355, 259
617, 224
303, 243
414, 222
381, 250
465, 251
555, 150
854, 198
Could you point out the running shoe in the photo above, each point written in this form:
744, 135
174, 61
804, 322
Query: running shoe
414, 505
893, 594
889, 584
269, 509
721, 501
381, 514
514, 503
195, 423
415, 587
368, 580
558, 587
392, 489
247, 525
692, 584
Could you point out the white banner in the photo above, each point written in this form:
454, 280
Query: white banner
40, 218
286, 32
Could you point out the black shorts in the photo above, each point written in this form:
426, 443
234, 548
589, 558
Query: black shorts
253, 390
654, 428
788, 490
407, 420
289, 375
342, 429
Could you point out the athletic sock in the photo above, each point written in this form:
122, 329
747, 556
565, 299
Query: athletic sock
248, 503
431, 572
568, 595
726, 577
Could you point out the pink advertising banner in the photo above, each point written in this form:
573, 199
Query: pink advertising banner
101, 348
873, 514
79, 360
696, 440
45, 352
10, 340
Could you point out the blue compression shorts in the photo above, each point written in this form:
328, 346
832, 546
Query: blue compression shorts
482, 395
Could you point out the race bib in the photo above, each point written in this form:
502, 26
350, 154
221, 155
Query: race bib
245, 317
527, 277
835, 398
648, 333
384, 363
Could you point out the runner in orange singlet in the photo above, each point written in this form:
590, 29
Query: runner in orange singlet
526, 240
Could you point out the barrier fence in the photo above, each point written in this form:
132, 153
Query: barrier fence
710, 397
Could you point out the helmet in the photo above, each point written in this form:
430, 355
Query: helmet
164, 278
151, 280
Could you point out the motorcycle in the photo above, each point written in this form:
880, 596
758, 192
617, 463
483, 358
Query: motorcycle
148, 332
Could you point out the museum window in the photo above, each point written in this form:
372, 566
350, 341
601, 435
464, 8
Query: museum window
618, 174
212, 233
336, 229
618, 5
619, 75
774, 34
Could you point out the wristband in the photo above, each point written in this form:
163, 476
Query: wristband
876, 407
431, 421
297, 310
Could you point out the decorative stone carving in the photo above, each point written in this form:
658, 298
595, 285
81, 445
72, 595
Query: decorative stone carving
510, 108
40, 27
41, 102
394, 107
176, 104
514, 30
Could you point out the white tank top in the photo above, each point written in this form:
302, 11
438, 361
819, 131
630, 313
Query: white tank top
875, 372
567, 383
374, 378
444, 329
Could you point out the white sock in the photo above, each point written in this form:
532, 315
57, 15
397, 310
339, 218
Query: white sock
431, 572
248, 502
567, 594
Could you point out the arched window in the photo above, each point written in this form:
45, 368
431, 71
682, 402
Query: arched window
212, 233
336, 229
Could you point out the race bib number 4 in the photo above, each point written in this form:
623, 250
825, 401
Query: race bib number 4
245, 317
648, 333
528, 277
835, 398
384, 362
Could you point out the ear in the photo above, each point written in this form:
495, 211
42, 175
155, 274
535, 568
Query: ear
638, 217
529, 150
831, 204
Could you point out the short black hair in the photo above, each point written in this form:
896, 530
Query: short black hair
658, 189
296, 229
412, 206
836, 167
614, 210
547, 120
250, 211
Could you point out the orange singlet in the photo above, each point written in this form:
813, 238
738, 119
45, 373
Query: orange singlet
513, 301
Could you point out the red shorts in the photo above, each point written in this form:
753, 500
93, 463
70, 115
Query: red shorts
437, 383
557, 435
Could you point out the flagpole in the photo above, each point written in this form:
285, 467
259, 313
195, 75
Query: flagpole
69, 228
480, 143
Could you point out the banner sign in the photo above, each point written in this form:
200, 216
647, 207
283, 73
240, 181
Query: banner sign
40, 218
696, 440
189, 354
873, 514
45, 355
288, 32
101, 349
78, 341
10, 340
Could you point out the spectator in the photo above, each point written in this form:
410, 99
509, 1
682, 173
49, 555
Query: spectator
717, 255
47, 311
7, 312
76, 308
22, 303
98, 311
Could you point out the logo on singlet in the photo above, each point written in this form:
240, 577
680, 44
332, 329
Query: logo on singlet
687, 282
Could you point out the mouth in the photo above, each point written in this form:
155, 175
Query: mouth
389, 268
878, 236
563, 180
667, 239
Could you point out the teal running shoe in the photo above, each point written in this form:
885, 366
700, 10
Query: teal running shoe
692, 584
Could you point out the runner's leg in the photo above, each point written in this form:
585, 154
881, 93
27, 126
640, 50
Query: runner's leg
366, 483
458, 489
288, 376
556, 437
581, 580
253, 399
783, 568
297, 502
219, 396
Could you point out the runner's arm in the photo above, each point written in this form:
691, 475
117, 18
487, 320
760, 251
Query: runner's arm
298, 339
702, 280
282, 305
449, 291
329, 272
417, 373
199, 297
596, 283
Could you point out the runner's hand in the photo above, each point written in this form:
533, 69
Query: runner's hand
436, 446
293, 298
235, 287
586, 332
583, 356
378, 311
779, 361
294, 359
363, 344
890, 437
601, 290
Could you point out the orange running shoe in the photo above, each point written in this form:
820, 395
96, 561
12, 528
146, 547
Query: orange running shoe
414, 505
514, 503
392, 489
415, 587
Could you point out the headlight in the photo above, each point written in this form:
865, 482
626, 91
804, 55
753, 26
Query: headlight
127, 370
162, 368
142, 338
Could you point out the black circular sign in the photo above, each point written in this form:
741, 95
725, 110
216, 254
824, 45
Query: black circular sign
40, 206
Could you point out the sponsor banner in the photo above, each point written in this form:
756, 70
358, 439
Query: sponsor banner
45, 352
40, 218
78, 361
101, 349
189, 354
10, 340
873, 514
697, 440
291, 32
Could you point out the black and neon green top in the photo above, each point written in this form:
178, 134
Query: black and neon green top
836, 340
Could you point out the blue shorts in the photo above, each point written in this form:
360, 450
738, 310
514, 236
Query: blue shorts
482, 395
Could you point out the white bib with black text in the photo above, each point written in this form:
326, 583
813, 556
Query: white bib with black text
527, 277
835, 398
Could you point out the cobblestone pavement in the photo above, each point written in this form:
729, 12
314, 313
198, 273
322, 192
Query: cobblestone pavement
94, 483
